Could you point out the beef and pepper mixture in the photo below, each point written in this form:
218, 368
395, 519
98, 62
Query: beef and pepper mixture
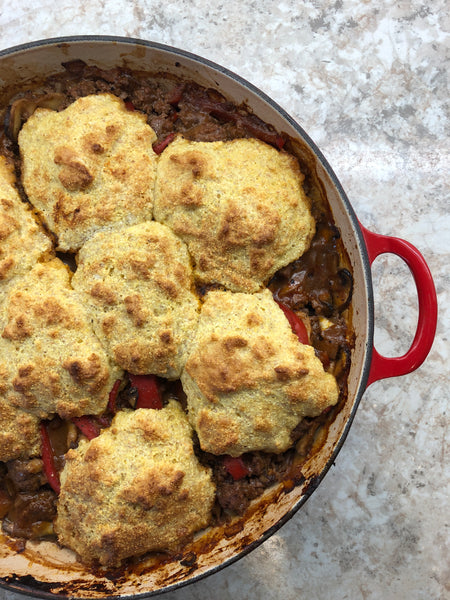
313, 291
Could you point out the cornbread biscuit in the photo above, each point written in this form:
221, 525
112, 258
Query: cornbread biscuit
248, 379
88, 167
137, 287
136, 488
19, 431
239, 205
22, 240
50, 359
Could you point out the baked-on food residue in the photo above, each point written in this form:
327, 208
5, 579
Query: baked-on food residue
158, 369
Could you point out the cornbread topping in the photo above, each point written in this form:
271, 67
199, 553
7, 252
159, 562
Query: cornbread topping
174, 323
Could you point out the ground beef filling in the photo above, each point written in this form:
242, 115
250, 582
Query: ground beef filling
318, 286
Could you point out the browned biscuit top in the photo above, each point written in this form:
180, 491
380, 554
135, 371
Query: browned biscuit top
22, 241
138, 487
51, 360
239, 206
248, 380
19, 431
88, 167
137, 286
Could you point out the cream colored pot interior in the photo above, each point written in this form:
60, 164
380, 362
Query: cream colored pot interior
51, 570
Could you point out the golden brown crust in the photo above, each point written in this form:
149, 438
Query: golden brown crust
55, 364
88, 167
137, 286
136, 488
248, 380
19, 433
239, 206
22, 241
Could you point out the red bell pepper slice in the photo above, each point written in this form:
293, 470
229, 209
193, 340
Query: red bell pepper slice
158, 147
48, 460
297, 325
88, 426
112, 400
251, 123
176, 95
236, 467
148, 391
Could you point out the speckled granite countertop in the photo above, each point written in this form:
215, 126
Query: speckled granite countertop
367, 80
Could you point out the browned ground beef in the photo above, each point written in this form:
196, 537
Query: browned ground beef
317, 283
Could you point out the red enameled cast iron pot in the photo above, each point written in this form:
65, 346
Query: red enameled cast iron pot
46, 571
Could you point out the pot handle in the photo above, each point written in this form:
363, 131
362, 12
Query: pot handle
383, 367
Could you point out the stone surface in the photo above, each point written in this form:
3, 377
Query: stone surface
367, 81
